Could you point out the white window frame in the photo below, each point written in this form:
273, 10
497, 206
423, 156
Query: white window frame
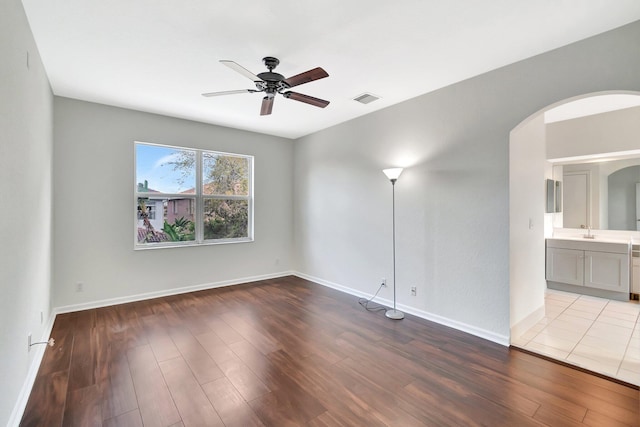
198, 198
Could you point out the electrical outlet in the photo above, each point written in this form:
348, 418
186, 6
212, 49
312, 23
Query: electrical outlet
79, 287
28, 343
383, 282
413, 291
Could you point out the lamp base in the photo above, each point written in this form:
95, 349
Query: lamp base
394, 314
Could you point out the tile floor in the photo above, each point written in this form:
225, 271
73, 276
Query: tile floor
594, 333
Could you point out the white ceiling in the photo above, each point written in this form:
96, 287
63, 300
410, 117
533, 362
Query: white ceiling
160, 55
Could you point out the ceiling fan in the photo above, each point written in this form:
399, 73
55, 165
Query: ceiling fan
273, 83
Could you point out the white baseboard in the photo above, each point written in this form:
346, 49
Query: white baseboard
528, 322
464, 327
167, 292
27, 386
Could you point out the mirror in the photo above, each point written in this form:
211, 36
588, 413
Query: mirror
603, 195
554, 196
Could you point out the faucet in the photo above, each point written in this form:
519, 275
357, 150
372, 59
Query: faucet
589, 235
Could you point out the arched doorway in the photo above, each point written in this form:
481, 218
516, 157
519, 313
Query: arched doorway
530, 165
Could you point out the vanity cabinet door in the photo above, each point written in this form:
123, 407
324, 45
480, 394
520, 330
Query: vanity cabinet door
604, 270
565, 266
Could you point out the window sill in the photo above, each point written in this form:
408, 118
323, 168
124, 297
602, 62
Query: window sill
139, 247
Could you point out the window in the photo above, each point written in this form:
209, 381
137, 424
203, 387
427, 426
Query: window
186, 196
151, 212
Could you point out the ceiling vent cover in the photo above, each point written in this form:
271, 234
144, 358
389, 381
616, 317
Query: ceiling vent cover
366, 98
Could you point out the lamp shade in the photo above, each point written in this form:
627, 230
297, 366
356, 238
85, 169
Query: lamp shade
392, 173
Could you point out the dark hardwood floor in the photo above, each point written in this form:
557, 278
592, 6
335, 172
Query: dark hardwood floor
287, 352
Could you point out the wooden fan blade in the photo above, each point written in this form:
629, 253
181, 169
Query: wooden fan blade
306, 77
317, 102
240, 69
229, 92
267, 106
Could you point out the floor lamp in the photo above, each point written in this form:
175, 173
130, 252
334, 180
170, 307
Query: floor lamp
393, 175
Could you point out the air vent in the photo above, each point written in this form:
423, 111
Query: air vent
366, 98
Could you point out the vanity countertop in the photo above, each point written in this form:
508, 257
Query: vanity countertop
580, 243
603, 239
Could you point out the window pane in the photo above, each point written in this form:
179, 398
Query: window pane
165, 220
226, 219
225, 175
165, 169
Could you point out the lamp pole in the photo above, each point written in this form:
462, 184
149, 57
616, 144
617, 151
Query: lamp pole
393, 175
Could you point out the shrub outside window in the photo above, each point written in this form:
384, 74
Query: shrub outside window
186, 197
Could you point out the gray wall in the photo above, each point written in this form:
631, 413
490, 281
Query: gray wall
452, 200
25, 201
93, 220
622, 198
613, 131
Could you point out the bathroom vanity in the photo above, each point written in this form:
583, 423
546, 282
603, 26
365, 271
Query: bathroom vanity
600, 268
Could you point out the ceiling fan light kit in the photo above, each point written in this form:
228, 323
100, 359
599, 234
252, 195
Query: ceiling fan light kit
272, 83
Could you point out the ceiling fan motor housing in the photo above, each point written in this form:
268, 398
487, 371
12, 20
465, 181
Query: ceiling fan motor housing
274, 81
271, 82
269, 76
